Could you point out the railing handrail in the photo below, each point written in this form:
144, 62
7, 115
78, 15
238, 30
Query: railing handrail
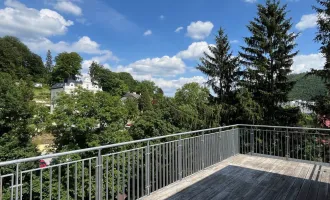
287, 127
31, 159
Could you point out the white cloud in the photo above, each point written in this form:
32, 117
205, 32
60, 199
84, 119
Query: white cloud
83, 45
162, 17
178, 29
234, 41
307, 21
68, 7
170, 86
199, 30
303, 63
250, 1
148, 32
150, 67
195, 51
18, 20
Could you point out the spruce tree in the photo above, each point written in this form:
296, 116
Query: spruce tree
49, 62
221, 67
322, 103
268, 57
323, 37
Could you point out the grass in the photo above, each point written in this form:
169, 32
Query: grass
42, 94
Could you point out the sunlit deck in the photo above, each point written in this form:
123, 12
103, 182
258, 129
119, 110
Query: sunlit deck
252, 177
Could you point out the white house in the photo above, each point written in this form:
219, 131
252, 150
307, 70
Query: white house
69, 86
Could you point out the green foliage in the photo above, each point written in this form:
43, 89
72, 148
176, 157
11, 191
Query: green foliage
108, 80
87, 119
128, 80
221, 67
248, 111
147, 86
145, 101
17, 60
68, 65
132, 106
49, 62
306, 87
268, 56
151, 124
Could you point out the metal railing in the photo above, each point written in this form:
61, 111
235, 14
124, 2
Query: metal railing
291, 143
137, 168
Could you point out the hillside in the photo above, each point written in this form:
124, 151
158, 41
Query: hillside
306, 87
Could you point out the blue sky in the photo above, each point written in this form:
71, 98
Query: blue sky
154, 40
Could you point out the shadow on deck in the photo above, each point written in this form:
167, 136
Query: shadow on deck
250, 177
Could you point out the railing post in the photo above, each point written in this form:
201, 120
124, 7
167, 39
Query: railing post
16, 182
252, 141
99, 180
180, 158
203, 150
220, 144
287, 144
147, 169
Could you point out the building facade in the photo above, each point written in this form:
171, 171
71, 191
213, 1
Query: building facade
69, 86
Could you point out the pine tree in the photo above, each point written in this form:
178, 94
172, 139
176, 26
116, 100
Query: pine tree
323, 37
221, 67
322, 103
49, 62
268, 57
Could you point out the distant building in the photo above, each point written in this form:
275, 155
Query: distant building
69, 86
38, 85
132, 95
303, 105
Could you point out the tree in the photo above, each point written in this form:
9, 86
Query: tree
149, 87
17, 111
322, 102
145, 101
268, 57
151, 124
107, 79
194, 110
128, 80
68, 65
86, 119
49, 62
17, 60
221, 67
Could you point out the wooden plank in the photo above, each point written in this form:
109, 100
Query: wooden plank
323, 185
293, 190
289, 182
245, 183
214, 187
239, 190
291, 169
303, 193
196, 187
264, 182
267, 185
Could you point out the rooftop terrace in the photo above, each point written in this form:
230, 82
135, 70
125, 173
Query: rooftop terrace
232, 162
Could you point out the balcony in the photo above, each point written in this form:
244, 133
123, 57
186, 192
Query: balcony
232, 162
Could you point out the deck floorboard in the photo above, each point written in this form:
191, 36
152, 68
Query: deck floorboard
251, 177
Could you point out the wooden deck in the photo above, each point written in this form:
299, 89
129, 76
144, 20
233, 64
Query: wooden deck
251, 177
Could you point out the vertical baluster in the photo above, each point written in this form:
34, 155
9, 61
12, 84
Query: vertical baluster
113, 176
147, 168
83, 180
